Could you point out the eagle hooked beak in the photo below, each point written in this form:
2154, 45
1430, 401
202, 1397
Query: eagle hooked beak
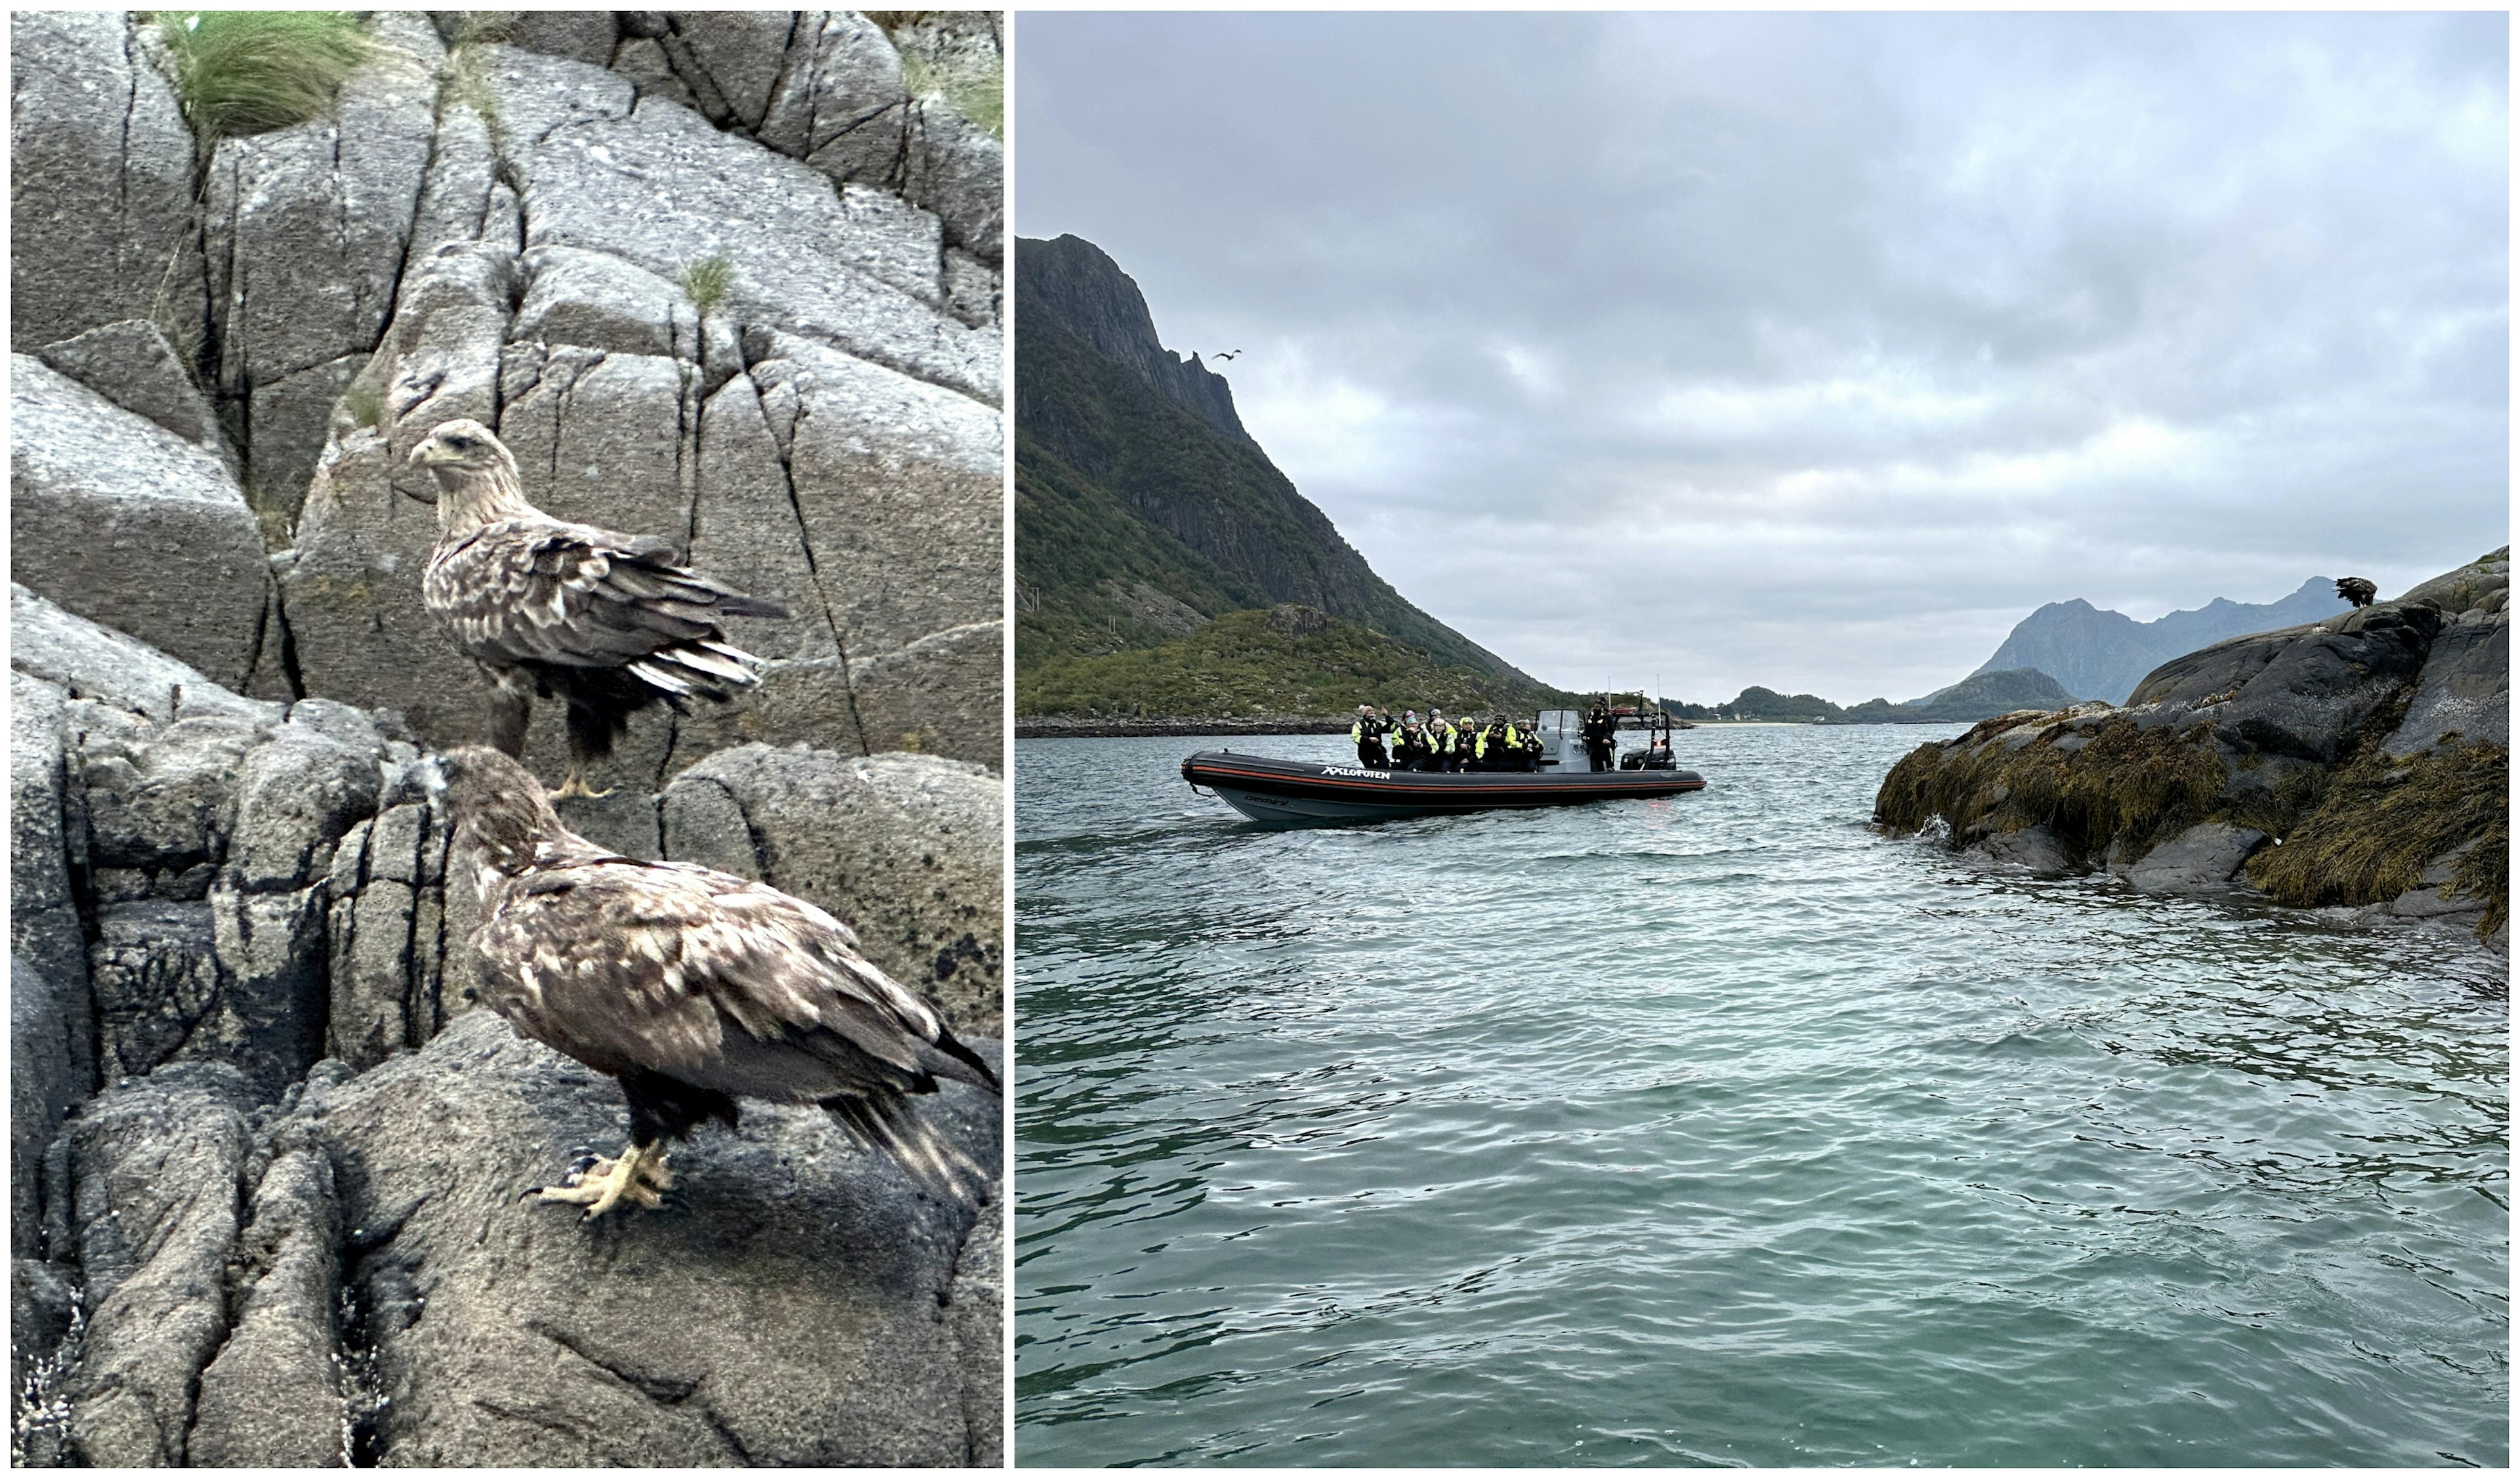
427, 454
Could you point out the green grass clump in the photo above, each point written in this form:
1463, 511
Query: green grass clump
2383, 823
243, 73
706, 281
978, 93
366, 405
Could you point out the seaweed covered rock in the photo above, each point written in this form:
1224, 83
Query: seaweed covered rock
2359, 761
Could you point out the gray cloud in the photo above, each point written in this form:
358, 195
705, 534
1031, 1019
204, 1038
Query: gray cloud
1816, 351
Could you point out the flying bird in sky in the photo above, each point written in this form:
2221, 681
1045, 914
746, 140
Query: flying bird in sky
611, 623
1228, 354
695, 988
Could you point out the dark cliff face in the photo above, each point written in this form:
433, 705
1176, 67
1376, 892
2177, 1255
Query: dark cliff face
1070, 283
1138, 518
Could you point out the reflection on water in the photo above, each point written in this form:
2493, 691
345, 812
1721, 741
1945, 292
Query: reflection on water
1720, 1130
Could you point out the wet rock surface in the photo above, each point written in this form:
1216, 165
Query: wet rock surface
2360, 761
730, 279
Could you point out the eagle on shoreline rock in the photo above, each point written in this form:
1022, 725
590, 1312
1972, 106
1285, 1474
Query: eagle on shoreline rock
2355, 592
611, 623
693, 988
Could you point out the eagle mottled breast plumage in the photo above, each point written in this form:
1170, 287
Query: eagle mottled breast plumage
612, 623
695, 988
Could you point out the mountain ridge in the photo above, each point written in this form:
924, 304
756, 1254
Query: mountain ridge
1145, 510
2103, 654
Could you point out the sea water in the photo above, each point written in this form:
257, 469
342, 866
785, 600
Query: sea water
1721, 1129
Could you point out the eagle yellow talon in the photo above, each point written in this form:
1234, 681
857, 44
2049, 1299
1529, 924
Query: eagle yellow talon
574, 785
639, 1177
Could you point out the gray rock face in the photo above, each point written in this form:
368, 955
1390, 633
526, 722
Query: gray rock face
506, 1333
2203, 857
272, 1397
85, 660
51, 1067
52, 1028
100, 200
130, 363
154, 1166
128, 525
654, 185
906, 849
2467, 684
2305, 693
305, 230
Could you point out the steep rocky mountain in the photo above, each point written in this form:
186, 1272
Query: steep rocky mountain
727, 278
2103, 654
1142, 509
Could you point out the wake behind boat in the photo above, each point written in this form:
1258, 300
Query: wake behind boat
1272, 791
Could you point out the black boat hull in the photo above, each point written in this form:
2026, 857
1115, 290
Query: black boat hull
1293, 792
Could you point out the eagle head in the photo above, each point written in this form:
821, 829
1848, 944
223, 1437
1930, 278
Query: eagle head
500, 810
461, 451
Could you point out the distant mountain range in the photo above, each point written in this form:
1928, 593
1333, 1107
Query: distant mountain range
1981, 695
2105, 654
1144, 512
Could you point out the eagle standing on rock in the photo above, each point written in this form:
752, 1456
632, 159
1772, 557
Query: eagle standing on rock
609, 622
693, 988
2356, 591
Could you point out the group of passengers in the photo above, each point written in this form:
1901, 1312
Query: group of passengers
1436, 743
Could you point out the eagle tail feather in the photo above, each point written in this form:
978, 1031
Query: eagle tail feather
732, 604
893, 1127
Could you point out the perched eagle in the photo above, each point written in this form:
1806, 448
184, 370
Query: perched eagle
693, 987
609, 622
2356, 590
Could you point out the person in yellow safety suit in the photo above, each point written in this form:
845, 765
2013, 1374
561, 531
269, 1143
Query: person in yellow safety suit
1408, 749
1367, 733
1439, 742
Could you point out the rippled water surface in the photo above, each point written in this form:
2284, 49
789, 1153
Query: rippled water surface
1721, 1130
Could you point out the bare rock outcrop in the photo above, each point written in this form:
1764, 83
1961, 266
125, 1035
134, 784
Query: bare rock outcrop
2360, 761
129, 524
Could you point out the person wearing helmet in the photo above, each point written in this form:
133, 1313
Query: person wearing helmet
1409, 749
1367, 733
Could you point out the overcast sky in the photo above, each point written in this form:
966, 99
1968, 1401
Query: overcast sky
1818, 350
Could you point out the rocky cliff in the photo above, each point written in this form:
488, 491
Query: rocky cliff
2361, 761
1142, 509
719, 276
731, 277
2104, 653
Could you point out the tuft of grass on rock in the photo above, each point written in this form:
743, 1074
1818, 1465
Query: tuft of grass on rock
366, 405
2382, 824
243, 72
706, 281
980, 95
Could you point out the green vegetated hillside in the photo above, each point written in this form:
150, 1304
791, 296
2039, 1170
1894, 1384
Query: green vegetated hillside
1288, 660
1139, 521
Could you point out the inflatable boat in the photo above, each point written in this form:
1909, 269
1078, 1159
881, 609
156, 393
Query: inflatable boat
1309, 790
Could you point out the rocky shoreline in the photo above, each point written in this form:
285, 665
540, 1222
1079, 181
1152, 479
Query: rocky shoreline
2360, 763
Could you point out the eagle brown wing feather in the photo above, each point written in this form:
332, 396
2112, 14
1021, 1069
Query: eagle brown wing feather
574, 596
624, 965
